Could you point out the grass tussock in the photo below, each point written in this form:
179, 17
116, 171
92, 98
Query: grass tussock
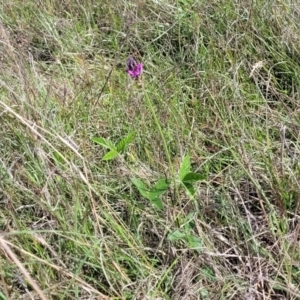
183, 184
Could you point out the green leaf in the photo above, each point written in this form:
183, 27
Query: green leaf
110, 155
185, 167
141, 187
194, 242
125, 141
104, 143
189, 222
58, 157
176, 235
189, 188
159, 188
162, 184
152, 196
157, 202
193, 177
2, 296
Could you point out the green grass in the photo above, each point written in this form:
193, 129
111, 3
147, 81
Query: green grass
181, 185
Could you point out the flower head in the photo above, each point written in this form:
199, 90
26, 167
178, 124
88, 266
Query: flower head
133, 68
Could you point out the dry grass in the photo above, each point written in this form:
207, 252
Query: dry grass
220, 86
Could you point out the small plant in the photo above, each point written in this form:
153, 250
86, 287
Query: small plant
188, 178
185, 234
114, 150
152, 194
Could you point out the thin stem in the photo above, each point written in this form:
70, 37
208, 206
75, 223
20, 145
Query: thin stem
176, 192
161, 133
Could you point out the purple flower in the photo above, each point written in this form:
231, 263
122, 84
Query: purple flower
133, 68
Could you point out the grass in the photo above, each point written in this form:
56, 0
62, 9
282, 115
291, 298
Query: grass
181, 185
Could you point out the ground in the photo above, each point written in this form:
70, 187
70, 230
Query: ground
180, 184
